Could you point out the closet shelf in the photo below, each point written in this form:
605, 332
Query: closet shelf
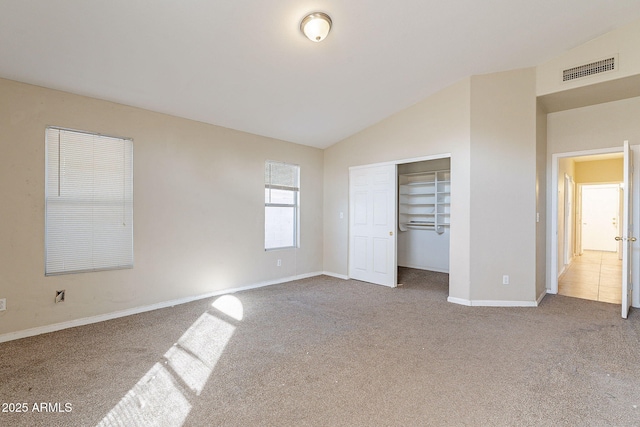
418, 183
424, 195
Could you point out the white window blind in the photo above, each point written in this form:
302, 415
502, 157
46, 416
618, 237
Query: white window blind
88, 202
281, 191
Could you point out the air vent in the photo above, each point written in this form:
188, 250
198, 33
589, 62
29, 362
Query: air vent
586, 70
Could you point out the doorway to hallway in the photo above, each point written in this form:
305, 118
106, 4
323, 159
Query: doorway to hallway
589, 219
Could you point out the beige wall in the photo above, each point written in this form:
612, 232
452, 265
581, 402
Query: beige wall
198, 209
623, 42
598, 126
603, 171
503, 192
437, 125
541, 201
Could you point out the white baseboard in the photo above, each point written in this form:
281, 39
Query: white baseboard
541, 297
561, 273
136, 310
336, 275
492, 303
422, 267
459, 301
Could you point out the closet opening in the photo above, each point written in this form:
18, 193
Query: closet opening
424, 220
399, 222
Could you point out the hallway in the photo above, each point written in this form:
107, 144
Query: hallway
595, 275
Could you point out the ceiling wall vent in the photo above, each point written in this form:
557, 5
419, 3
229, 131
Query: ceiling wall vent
597, 67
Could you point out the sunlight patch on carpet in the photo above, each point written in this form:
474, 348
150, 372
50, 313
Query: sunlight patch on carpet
165, 391
195, 355
154, 397
229, 305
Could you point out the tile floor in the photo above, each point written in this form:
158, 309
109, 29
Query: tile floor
595, 275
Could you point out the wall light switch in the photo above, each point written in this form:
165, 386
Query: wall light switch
505, 279
341, 215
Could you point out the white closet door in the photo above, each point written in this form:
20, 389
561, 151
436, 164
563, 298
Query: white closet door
372, 224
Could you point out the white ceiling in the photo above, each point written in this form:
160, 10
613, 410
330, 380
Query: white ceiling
244, 64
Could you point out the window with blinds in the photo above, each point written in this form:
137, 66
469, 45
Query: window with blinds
88, 202
281, 194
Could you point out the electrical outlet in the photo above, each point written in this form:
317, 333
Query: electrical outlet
3, 304
505, 279
60, 296
279, 263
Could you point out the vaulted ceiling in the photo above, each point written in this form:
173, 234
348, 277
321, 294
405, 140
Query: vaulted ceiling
244, 64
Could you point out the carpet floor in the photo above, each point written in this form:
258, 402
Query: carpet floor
329, 352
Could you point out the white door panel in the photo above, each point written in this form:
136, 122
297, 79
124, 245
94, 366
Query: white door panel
380, 208
360, 208
628, 236
360, 253
380, 258
372, 224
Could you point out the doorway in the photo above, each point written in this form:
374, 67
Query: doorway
590, 265
424, 209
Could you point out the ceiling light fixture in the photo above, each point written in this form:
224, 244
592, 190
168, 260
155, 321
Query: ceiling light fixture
316, 26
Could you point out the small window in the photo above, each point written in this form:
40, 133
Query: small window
88, 202
281, 202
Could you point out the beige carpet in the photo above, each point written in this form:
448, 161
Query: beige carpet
327, 352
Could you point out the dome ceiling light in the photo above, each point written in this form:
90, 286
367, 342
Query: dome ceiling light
316, 26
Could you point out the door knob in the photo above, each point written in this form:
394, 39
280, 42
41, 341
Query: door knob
633, 239
391, 233
618, 238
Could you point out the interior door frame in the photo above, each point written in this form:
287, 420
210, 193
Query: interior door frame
569, 218
396, 163
578, 228
552, 211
